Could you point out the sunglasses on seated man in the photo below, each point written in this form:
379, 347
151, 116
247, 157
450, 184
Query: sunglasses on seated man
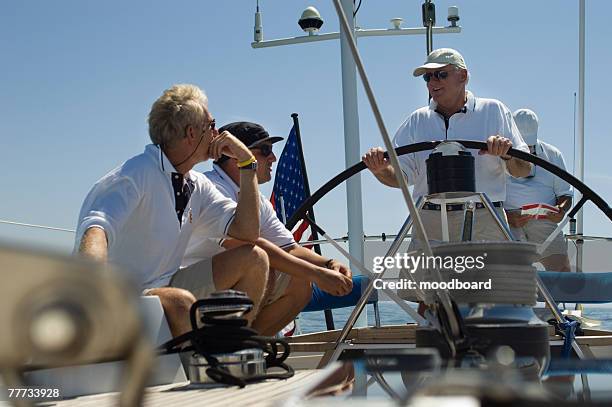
264, 149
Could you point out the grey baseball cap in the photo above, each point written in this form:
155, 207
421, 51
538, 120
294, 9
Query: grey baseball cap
439, 58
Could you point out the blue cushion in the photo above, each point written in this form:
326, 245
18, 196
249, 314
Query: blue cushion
321, 300
585, 288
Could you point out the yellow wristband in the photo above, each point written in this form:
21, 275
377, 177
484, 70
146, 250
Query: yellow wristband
247, 162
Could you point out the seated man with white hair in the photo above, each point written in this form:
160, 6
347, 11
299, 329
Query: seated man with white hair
540, 187
140, 215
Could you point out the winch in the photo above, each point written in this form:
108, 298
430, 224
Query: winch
226, 308
450, 168
224, 349
499, 318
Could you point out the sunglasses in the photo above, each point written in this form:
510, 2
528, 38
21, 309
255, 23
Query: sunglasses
264, 149
439, 75
211, 125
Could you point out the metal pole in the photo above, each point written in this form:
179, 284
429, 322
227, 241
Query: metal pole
352, 148
375, 32
580, 138
368, 291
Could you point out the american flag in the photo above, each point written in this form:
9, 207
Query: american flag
289, 190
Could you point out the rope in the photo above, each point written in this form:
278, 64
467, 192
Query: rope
568, 329
218, 339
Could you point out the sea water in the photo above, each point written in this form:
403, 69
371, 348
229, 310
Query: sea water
392, 314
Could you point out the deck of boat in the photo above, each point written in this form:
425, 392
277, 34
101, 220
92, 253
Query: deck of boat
596, 343
266, 393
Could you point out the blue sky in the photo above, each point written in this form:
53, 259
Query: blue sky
78, 80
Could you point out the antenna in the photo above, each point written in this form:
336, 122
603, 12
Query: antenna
258, 30
429, 20
574, 160
572, 222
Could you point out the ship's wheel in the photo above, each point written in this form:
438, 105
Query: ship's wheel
587, 193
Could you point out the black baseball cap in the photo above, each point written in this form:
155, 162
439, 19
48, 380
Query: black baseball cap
251, 134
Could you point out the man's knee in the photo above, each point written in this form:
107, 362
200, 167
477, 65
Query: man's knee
175, 301
260, 258
256, 260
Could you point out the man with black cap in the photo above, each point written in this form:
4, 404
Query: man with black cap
292, 268
540, 189
455, 113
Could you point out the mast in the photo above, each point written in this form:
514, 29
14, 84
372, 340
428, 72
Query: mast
580, 130
580, 139
352, 149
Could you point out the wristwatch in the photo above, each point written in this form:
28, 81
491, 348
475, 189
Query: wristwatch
250, 166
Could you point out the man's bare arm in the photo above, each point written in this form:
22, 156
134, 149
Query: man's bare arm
309, 255
245, 225
94, 244
498, 146
246, 222
312, 257
376, 162
329, 280
280, 259
387, 177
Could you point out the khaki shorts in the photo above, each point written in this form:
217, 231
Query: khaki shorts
537, 231
197, 278
281, 282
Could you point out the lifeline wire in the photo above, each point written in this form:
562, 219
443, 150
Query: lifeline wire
8, 222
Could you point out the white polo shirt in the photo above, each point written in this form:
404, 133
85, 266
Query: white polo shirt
480, 119
202, 245
543, 186
135, 205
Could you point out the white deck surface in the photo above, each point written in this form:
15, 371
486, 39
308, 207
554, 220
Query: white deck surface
267, 393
